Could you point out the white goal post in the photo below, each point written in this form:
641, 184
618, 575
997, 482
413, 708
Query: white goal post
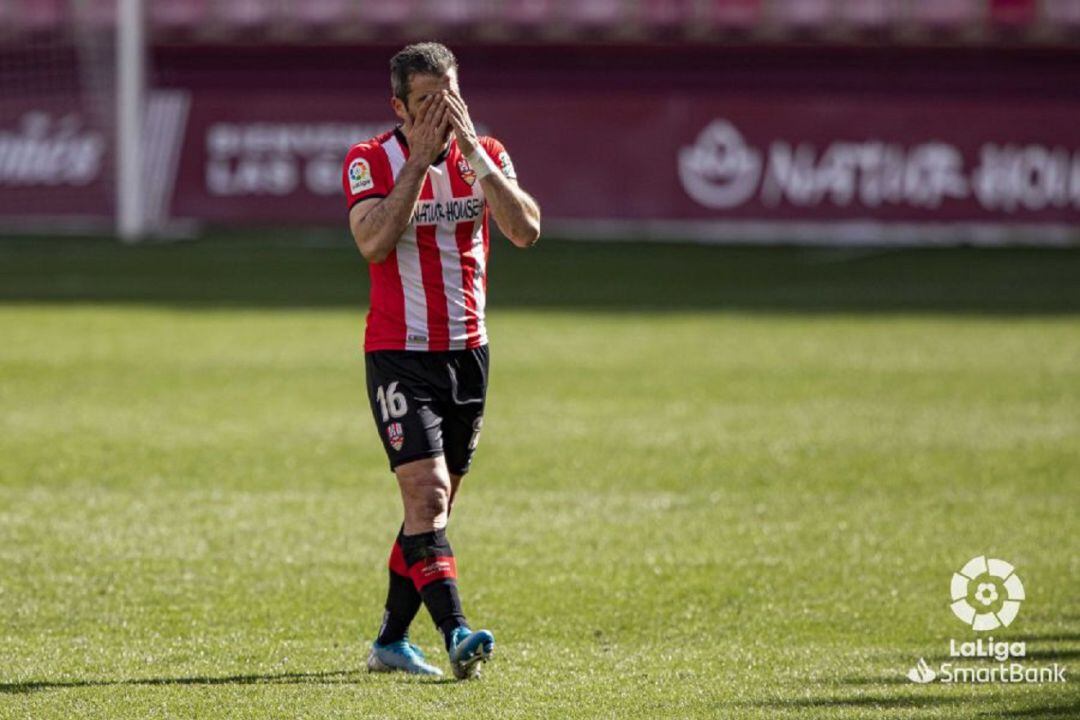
130, 104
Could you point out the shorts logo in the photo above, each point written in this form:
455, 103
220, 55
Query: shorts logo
507, 166
466, 171
986, 593
395, 435
360, 176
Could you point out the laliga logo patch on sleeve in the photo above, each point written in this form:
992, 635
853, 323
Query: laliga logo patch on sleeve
507, 166
360, 176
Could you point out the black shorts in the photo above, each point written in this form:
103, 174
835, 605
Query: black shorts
428, 403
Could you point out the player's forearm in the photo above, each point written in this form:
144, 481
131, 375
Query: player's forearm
516, 214
378, 232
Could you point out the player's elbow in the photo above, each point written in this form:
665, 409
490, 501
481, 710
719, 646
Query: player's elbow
526, 236
373, 253
369, 247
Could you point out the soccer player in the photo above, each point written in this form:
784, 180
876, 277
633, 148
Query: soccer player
419, 198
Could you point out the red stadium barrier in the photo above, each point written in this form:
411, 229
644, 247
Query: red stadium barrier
674, 141
824, 143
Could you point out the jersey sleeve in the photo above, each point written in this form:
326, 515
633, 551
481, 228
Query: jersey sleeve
366, 173
497, 152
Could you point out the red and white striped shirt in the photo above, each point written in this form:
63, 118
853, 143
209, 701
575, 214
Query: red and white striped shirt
429, 294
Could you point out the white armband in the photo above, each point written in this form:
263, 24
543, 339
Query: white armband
481, 163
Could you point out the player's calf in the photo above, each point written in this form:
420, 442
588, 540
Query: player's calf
402, 598
434, 572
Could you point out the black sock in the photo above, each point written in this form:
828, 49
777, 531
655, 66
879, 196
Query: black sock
434, 572
402, 599
441, 598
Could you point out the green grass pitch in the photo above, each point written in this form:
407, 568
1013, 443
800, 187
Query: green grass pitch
712, 482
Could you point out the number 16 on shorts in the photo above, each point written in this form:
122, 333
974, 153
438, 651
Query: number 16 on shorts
392, 404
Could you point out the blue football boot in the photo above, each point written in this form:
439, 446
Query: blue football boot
401, 655
468, 649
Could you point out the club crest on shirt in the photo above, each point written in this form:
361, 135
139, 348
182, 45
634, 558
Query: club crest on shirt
395, 435
466, 171
360, 176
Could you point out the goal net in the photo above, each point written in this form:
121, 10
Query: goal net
58, 114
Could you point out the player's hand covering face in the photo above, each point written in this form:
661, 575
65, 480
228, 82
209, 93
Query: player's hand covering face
460, 120
427, 129
438, 100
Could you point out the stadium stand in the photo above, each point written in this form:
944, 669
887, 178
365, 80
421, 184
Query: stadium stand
737, 15
1062, 17
387, 18
868, 15
527, 17
804, 15
98, 14
458, 15
947, 16
1012, 17
322, 21
316, 16
246, 17
1013, 12
36, 16
180, 16
665, 16
593, 16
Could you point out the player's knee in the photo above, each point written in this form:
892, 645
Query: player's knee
427, 496
428, 507
435, 503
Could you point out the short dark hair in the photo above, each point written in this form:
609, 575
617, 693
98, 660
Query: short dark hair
426, 58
